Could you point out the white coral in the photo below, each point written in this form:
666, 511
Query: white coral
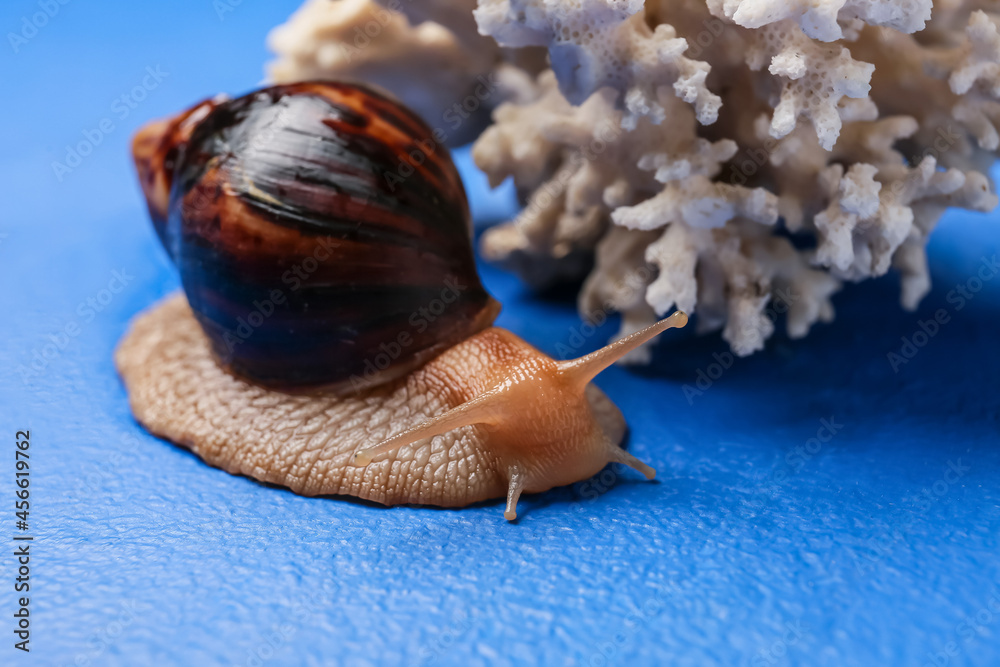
605, 43
822, 20
980, 62
670, 149
815, 77
428, 65
867, 170
699, 202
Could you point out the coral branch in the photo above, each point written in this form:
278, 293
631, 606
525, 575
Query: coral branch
669, 151
605, 43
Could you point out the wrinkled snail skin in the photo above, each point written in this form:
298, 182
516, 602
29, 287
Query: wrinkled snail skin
243, 191
538, 435
539, 422
297, 194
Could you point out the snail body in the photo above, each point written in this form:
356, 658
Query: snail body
455, 411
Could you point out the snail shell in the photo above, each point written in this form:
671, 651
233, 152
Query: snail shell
243, 193
321, 232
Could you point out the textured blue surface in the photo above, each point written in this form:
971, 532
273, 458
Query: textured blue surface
744, 552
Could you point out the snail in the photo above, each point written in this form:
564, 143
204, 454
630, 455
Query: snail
333, 335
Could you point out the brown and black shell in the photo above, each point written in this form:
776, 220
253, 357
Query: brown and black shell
322, 234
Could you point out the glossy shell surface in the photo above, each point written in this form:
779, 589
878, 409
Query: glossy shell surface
321, 233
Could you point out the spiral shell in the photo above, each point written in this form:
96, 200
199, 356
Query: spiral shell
321, 231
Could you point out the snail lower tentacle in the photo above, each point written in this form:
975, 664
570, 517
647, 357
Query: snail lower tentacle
301, 353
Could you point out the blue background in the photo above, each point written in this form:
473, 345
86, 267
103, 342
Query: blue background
739, 554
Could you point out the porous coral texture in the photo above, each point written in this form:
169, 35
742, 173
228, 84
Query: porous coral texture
594, 44
761, 152
736, 159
